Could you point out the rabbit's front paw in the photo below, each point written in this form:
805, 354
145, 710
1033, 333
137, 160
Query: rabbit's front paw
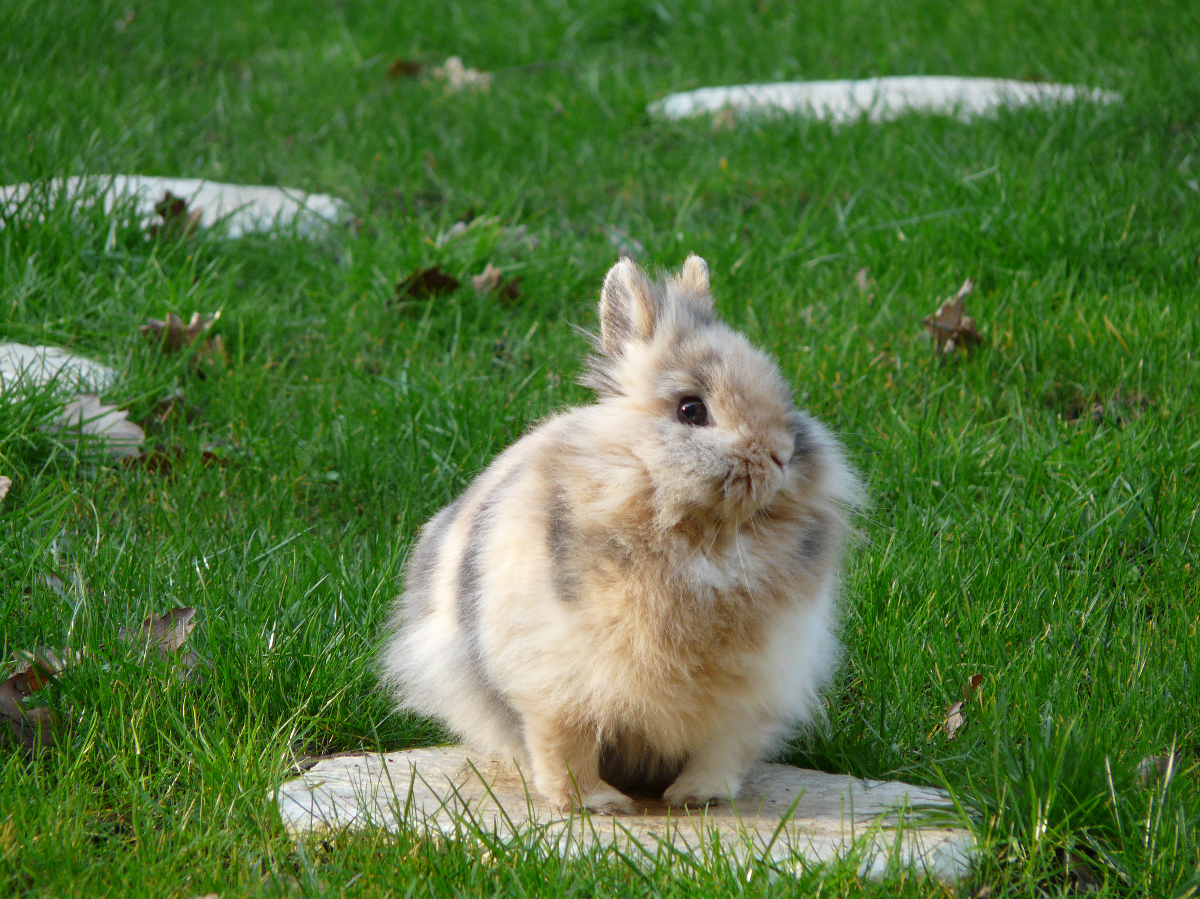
606, 800
696, 792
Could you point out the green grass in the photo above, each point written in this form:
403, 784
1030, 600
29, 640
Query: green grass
1008, 535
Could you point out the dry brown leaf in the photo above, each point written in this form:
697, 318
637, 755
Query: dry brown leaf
971, 686
177, 220
86, 415
172, 335
1081, 874
950, 327
37, 668
864, 282
404, 68
165, 634
5, 486
31, 728
427, 282
491, 280
1157, 767
458, 77
162, 459
954, 720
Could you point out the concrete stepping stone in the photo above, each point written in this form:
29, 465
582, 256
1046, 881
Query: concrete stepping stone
878, 99
236, 208
448, 791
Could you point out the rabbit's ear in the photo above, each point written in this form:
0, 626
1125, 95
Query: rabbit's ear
628, 307
693, 277
693, 288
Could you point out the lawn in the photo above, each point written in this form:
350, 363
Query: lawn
1033, 506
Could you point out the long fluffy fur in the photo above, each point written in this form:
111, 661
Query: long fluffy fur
623, 602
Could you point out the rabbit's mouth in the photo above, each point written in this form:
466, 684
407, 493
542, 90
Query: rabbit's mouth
750, 484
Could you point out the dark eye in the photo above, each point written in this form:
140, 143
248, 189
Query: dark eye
692, 411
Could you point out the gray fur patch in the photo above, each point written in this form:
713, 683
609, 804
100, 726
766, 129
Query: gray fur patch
422, 564
803, 443
560, 537
470, 595
812, 544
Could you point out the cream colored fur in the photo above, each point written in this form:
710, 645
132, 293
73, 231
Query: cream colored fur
624, 594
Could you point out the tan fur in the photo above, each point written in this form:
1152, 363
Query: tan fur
621, 593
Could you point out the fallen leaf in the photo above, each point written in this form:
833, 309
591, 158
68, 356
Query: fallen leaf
404, 68
5, 484
1116, 408
427, 282
864, 282
971, 686
165, 634
53, 582
162, 459
177, 221
487, 280
1080, 872
37, 668
950, 327
491, 280
30, 728
954, 720
1157, 767
172, 335
458, 77
86, 415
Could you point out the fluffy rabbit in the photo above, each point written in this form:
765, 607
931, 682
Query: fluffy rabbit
639, 593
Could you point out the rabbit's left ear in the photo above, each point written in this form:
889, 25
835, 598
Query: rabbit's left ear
693, 277
691, 287
628, 307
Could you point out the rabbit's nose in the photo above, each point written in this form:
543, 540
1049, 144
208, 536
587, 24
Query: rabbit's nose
781, 450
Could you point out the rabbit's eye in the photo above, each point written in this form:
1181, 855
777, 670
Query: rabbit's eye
692, 411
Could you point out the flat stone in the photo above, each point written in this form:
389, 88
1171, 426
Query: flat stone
877, 99
791, 816
238, 209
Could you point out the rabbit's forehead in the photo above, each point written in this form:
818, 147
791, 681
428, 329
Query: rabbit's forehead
724, 368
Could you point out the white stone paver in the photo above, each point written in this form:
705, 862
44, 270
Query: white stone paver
878, 99
449, 791
236, 208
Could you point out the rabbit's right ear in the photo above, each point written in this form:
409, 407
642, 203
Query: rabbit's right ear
628, 307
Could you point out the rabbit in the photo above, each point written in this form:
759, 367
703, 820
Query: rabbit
639, 595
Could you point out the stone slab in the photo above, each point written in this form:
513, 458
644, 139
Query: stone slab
237, 208
447, 791
878, 99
